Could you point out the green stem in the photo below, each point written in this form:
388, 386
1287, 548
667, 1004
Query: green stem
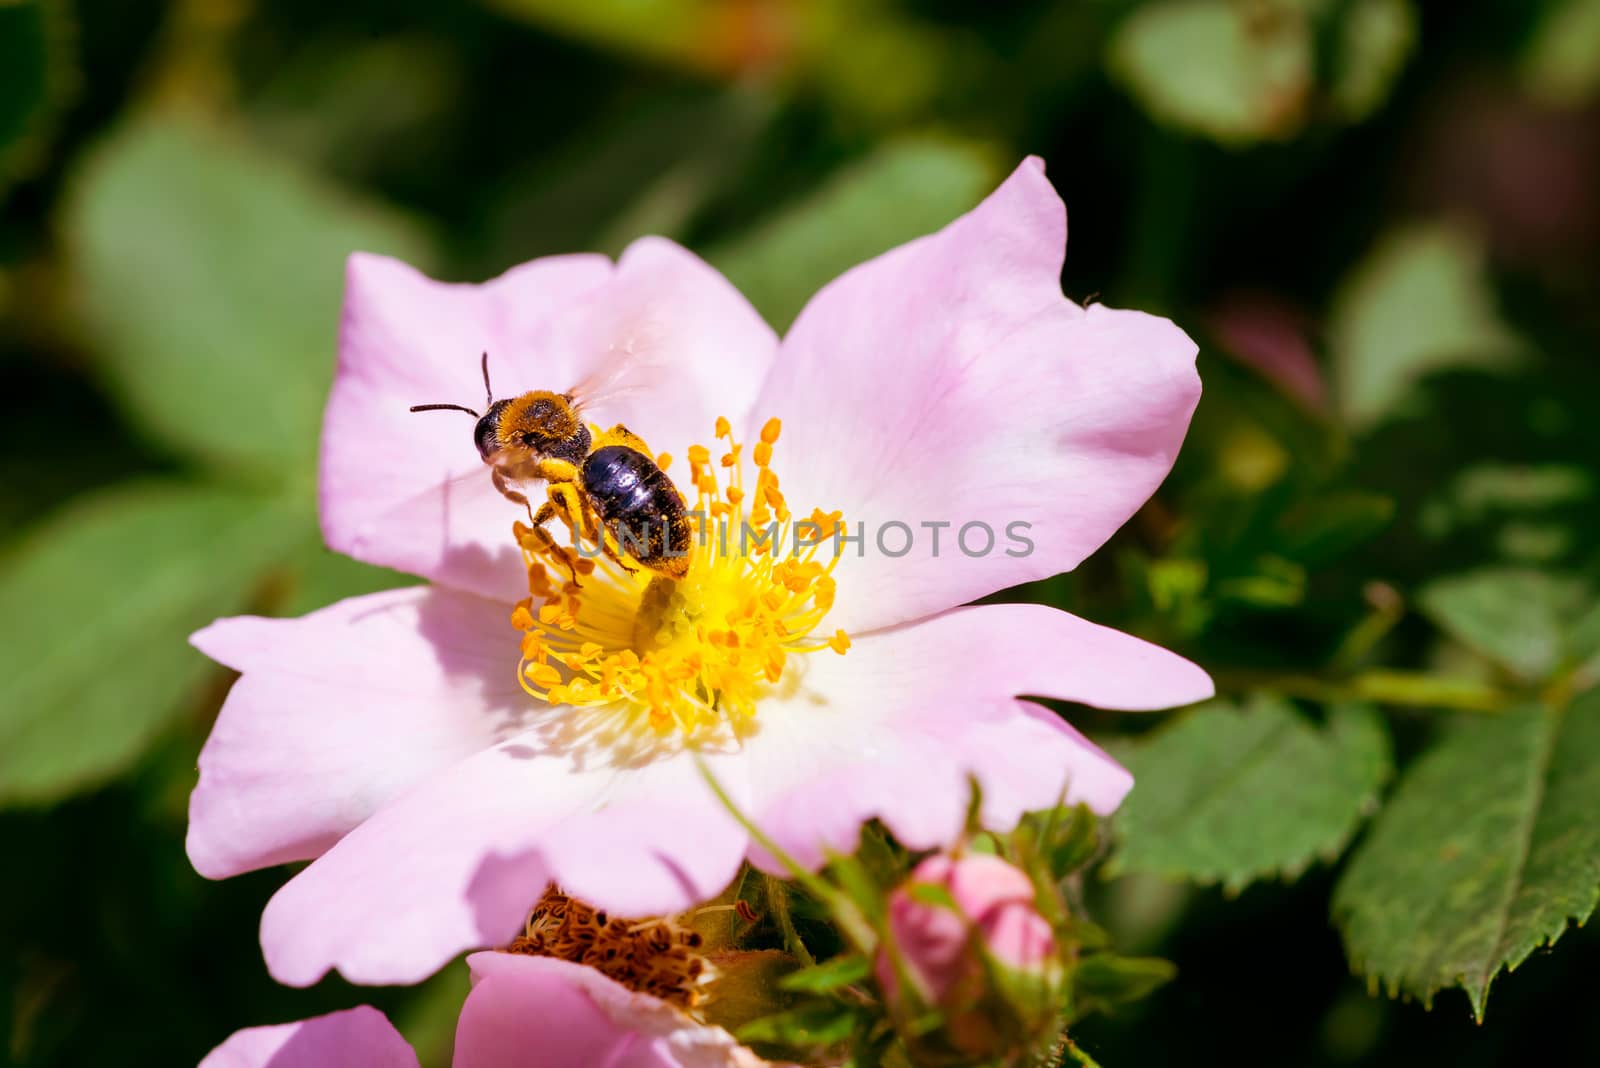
1072, 1050
1405, 689
852, 924
778, 903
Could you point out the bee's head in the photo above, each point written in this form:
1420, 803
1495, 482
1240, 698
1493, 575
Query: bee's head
487, 433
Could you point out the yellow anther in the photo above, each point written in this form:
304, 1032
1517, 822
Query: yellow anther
692, 653
664, 461
840, 642
770, 430
543, 675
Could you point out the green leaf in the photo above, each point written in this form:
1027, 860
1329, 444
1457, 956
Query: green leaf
933, 894
211, 278
693, 33
1488, 847
1065, 838
1232, 795
1373, 39
1561, 67
1104, 980
428, 1016
829, 976
1517, 617
1419, 303
856, 881
1328, 525
1210, 67
903, 190
809, 1026
100, 600
321, 576
649, 173
36, 77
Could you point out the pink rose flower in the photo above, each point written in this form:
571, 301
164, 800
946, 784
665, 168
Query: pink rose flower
997, 910
520, 1011
943, 950
443, 768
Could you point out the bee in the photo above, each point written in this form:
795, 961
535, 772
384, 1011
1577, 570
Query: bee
606, 482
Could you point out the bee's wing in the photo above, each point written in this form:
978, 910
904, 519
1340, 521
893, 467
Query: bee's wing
634, 365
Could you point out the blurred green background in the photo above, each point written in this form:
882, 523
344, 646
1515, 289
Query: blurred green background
1380, 218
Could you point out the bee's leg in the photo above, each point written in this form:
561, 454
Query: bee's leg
584, 521
595, 530
621, 435
613, 553
564, 498
554, 471
510, 494
548, 511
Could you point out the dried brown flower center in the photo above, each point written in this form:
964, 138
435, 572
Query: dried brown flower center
657, 957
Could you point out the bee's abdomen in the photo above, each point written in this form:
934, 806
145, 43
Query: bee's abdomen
640, 505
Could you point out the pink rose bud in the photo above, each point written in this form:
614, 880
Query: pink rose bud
990, 1006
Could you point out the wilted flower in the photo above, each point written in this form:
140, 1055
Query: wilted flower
443, 766
968, 937
521, 1010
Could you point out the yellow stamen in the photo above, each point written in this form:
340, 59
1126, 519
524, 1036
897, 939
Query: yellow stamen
691, 656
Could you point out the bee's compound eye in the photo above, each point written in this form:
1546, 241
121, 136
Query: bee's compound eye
487, 436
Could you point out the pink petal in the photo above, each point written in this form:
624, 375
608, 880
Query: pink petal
949, 381
516, 1019
894, 728
702, 350
339, 712
574, 1017
355, 1036
409, 491
456, 863
393, 489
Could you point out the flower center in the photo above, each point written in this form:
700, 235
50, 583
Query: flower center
693, 654
656, 957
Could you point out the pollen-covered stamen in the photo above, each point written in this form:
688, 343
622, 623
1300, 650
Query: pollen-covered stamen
658, 957
695, 653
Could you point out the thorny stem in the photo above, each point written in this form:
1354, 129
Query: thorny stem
1070, 1048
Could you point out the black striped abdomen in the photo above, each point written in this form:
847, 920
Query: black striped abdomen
640, 506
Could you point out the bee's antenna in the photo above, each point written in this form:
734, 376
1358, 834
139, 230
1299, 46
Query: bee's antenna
444, 408
488, 394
